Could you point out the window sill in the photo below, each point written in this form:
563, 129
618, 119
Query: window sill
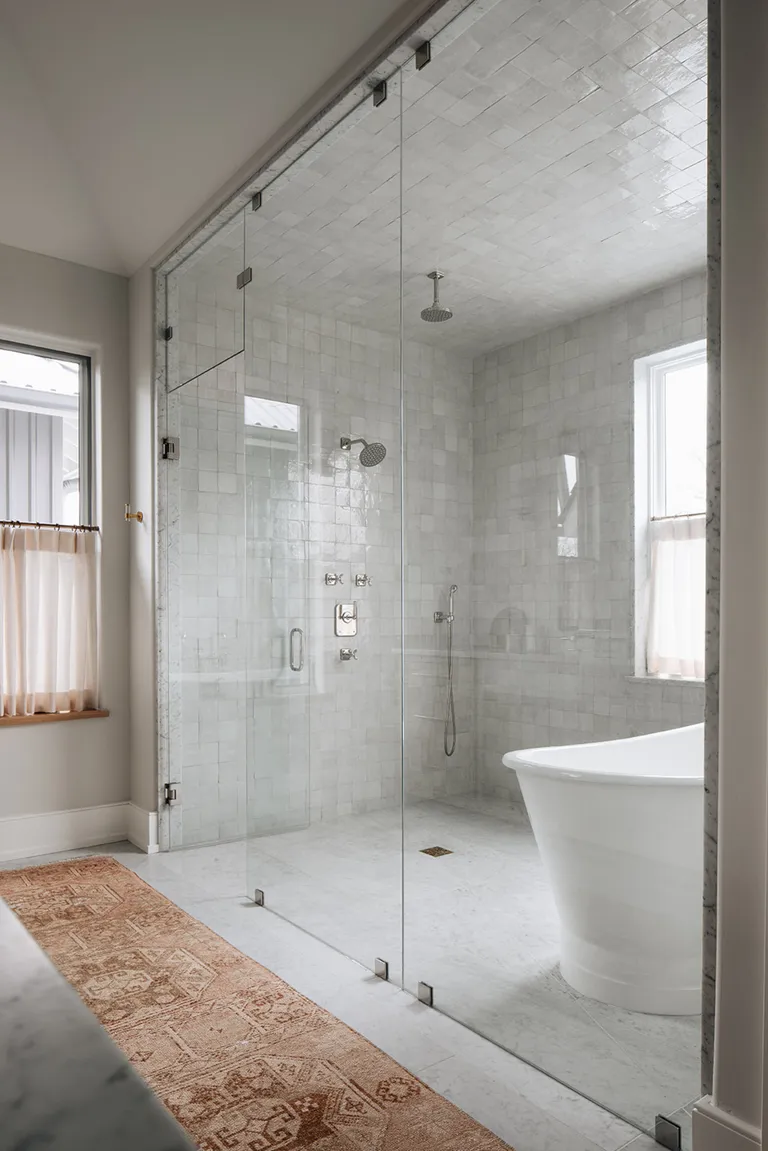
664, 682
50, 717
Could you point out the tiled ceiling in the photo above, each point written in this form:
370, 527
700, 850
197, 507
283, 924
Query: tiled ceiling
553, 160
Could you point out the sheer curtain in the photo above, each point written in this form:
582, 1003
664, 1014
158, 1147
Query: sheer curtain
676, 623
49, 597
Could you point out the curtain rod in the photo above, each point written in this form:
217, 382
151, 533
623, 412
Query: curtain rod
682, 516
58, 527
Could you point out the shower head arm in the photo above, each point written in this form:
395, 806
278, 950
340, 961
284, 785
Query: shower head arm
370, 456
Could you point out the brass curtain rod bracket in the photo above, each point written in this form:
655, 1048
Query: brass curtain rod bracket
129, 515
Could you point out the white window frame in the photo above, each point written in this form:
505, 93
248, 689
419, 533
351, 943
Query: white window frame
649, 479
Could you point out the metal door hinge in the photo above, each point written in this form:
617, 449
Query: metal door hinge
172, 793
381, 968
170, 448
668, 1133
423, 55
379, 94
426, 994
168, 333
255, 201
245, 277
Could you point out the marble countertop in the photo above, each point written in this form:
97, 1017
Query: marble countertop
64, 1085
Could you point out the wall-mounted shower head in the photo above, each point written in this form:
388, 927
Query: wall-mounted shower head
370, 456
437, 312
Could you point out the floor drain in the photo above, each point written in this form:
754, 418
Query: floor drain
436, 851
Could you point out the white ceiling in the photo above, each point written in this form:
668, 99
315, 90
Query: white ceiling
553, 162
119, 119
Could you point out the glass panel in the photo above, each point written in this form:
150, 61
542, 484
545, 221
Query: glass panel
205, 306
685, 439
279, 670
520, 909
206, 638
40, 400
323, 355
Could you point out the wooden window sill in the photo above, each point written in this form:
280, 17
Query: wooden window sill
50, 717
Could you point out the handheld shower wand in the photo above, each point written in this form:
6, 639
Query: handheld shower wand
449, 733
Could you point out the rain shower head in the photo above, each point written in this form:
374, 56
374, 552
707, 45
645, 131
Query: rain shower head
370, 456
437, 312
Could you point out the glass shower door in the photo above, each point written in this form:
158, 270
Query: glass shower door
279, 676
324, 751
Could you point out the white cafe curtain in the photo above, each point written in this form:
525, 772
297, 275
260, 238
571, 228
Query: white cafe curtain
676, 622
49, 611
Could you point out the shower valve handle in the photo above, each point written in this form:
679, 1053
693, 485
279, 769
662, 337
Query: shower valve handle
347, 653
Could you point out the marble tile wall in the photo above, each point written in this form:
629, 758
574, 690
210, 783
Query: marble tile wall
552, 635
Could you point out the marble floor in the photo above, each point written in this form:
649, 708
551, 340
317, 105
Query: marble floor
450, 930
481, 928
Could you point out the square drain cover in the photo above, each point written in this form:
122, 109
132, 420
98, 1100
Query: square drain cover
436, 851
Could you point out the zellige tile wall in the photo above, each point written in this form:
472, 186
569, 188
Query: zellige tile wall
260, 523
552, 636
543, 643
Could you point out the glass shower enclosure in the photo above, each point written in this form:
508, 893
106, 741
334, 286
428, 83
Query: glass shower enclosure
366, 484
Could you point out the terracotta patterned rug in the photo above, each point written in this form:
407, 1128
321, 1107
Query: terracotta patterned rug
242, 1060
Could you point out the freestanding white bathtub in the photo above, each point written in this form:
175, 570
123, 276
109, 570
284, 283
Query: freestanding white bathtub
620, 829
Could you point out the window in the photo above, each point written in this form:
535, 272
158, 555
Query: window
670, 506
49, 548
44, 436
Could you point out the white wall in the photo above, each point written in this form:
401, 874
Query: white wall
59, 766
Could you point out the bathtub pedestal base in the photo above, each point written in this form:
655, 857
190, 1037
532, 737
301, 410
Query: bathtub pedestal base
620, 826
650, 997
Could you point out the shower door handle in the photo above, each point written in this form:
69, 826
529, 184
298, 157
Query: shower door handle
296, 664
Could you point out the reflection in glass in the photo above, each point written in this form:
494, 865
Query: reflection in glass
568, 493
577, 508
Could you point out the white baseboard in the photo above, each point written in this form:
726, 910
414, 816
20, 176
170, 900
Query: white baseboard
716, 1130
142, 828
28, 835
